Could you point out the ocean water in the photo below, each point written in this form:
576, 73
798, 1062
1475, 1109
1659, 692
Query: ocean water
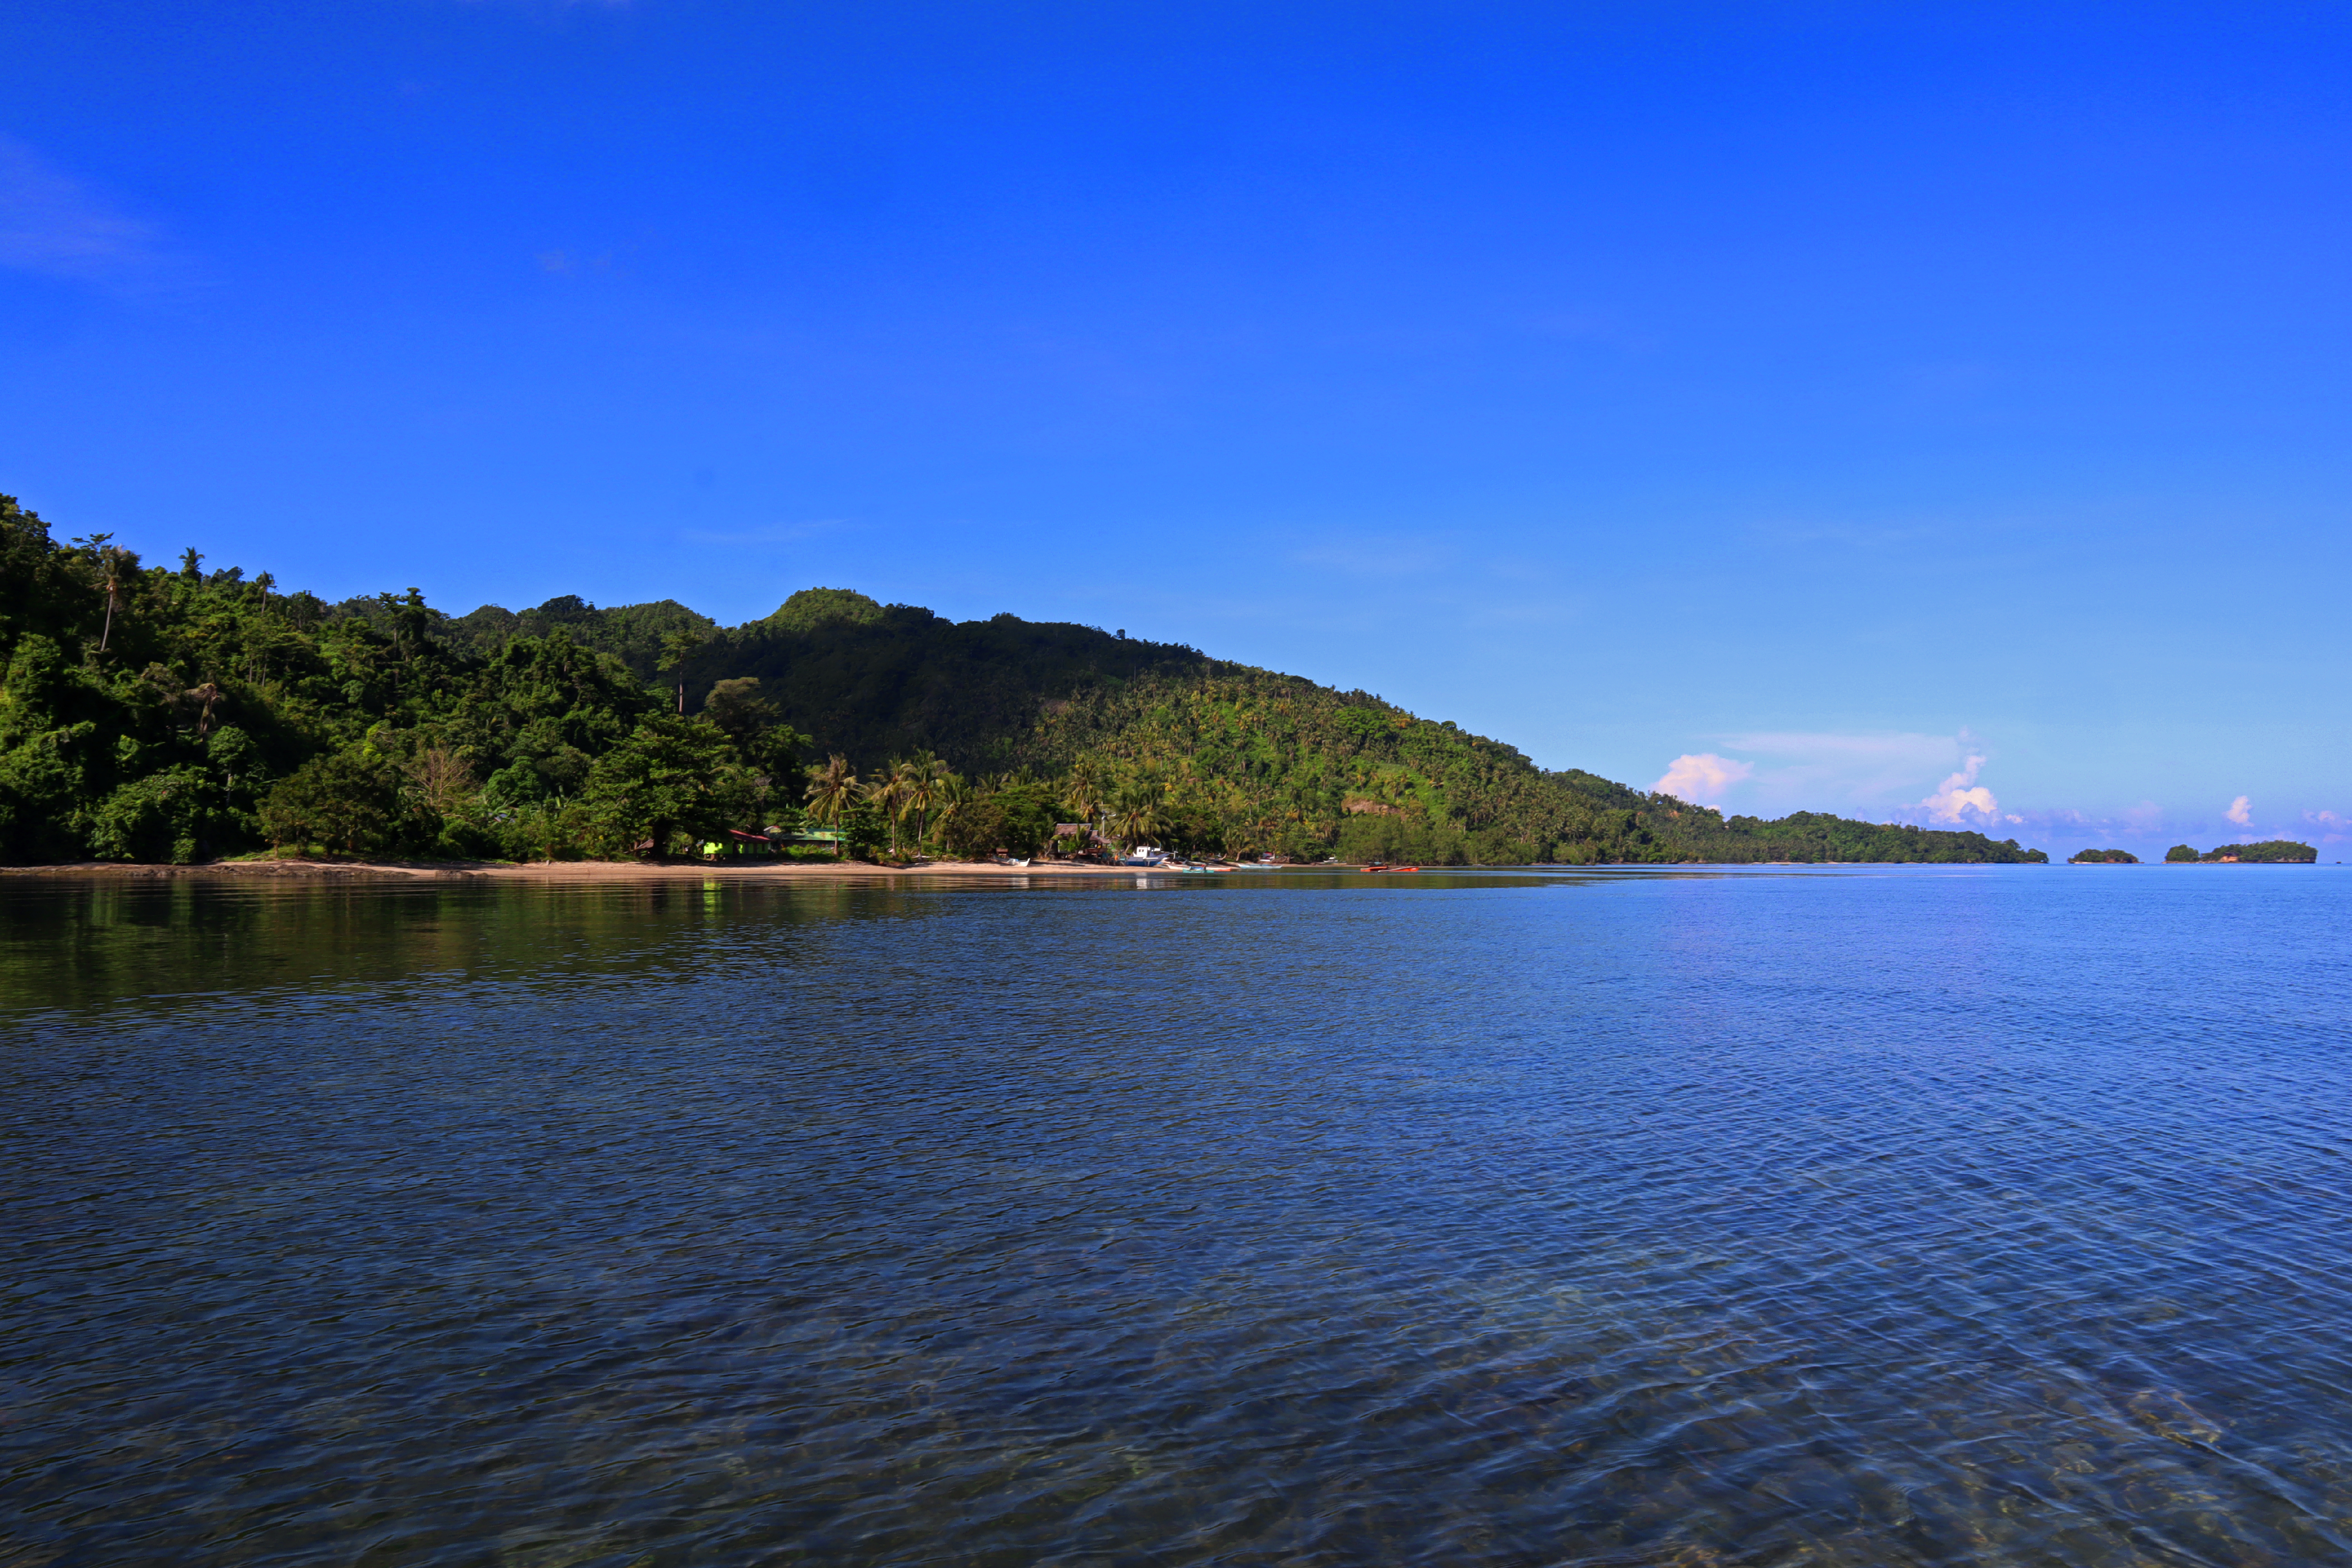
1985, 1215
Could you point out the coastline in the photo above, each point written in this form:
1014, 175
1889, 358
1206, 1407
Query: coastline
544, 870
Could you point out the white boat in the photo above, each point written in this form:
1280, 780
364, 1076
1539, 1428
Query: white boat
1144, 855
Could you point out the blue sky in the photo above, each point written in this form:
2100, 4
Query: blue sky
1820, 396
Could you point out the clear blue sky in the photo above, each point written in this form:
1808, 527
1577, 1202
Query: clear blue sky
1823, 394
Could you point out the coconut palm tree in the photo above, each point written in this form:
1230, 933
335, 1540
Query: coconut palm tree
925, 777
832, 790
887, 793
1082, 792
951, 796
1135, 812
109, 582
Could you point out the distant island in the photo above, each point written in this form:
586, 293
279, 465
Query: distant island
2102, 857
185, 715
2271, 851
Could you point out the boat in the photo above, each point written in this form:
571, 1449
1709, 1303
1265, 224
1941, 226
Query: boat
1144, 855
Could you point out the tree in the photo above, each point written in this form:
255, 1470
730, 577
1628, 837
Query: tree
975, 831
890, 794
926, 777
751, 721
2179, 853
737, 707
670, 775
115, 568
1082, 791
343, 800
833, 789
952, 797
862, 829
1134, 814
1027, 808
677, 647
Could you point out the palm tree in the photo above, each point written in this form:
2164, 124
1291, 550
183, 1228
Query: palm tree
951, 795
926, 776
832, 789
109, 582
887, 793
1083, 793
1135, 813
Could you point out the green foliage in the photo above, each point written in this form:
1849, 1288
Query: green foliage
152, 714
669, 776
2179, 853
638, 635
178, 816
813, 608
348, 801
2270, 851
902, 681
976, 831
2102, 857
864, 829
752, 722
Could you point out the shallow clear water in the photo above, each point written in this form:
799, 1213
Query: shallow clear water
1983, 1216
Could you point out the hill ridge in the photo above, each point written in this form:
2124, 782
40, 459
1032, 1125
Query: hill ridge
154, 714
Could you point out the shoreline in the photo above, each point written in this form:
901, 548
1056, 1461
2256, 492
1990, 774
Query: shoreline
546, 870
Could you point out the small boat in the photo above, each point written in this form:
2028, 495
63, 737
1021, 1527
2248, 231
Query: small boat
1375, 866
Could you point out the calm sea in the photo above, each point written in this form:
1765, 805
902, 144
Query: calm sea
1969, 1215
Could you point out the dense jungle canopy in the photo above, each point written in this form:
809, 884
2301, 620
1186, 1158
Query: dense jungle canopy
172, 713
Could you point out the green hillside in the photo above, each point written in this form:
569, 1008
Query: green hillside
163, 714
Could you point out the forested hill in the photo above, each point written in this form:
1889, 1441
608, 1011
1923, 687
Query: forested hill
162, 713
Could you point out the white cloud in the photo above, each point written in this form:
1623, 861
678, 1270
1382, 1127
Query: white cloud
2338, 827
2241, 811
772, 534
1960, 796
1821, 771
1701, 777
50, 224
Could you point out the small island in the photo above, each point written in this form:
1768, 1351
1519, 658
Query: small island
2270, 852
2102, 857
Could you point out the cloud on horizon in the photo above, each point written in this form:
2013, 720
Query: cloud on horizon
2241, 811
1960, 796
1818, 769
1701, 777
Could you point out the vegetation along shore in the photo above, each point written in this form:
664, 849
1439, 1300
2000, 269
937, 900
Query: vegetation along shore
177, 715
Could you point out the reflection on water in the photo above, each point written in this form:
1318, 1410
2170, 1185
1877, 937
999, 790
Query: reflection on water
1983, 1217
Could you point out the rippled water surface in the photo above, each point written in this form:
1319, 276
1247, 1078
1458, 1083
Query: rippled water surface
1959, 1215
